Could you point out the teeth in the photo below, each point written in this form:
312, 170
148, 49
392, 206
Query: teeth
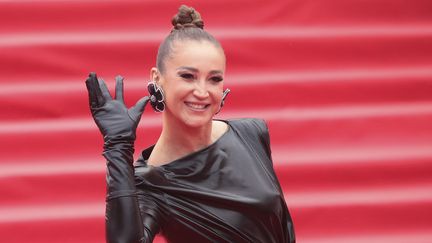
195, 106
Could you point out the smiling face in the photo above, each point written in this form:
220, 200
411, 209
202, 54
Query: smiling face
192, 82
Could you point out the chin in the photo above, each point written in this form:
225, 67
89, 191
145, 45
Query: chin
193, 119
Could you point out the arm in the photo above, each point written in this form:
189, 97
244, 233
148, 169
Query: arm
124, 222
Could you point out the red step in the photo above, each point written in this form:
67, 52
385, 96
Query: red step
79, 229
323, 128
68, 60
97, 15
311, 219
267, 91
66, 183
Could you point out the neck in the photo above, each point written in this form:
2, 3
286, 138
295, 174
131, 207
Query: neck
183, 139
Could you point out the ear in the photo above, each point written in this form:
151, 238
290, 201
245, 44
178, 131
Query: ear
154, 74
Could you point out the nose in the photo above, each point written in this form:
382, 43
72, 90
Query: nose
200, 90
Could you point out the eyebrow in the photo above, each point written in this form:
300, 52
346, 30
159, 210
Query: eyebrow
192, 69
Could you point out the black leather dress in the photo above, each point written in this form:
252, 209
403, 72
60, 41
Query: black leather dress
226, 192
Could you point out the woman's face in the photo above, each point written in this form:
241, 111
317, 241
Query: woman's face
193, 82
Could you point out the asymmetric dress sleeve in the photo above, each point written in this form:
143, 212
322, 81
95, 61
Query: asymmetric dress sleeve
226, 192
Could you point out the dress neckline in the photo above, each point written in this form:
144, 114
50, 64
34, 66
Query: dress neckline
173, 163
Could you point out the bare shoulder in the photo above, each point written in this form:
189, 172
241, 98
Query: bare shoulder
218, 129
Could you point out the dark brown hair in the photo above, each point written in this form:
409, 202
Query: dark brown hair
188, 25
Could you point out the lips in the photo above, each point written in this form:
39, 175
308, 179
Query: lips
197, 106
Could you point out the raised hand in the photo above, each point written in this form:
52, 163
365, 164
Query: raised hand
116, 122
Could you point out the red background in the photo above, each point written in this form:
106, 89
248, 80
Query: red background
345, 86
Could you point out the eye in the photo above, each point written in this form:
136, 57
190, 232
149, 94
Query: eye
217, 79
187, 76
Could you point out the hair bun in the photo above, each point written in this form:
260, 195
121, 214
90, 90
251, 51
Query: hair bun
187, 17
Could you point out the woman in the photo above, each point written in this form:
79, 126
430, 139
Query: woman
204, 180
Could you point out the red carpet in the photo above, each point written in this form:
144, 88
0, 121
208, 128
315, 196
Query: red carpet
345, 86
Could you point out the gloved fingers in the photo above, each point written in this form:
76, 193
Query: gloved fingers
119, 88
136, 111
95, 94
139, 106
105, 92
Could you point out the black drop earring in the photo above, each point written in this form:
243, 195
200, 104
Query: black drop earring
157, 98
224, 95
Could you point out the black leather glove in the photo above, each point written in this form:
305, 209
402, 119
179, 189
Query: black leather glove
118, 126
116, 122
